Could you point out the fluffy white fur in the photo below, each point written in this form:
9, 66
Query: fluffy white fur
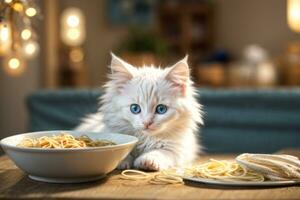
170, 138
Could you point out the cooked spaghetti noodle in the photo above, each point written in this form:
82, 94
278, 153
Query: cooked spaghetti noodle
223, 171
63, 140
214, 169
245, 168
157, 178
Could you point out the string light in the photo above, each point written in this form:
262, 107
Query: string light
17, 36
18, 7
4, 32
26, 34
30, 12
5, 38
30, 49
14, 65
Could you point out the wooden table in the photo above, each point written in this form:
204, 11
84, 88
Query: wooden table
14, 184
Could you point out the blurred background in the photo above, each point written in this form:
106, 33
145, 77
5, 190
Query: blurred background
54, 44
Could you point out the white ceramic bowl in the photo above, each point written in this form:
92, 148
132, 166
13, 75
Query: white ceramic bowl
68, 165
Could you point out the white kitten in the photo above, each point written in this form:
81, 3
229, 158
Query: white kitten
156, 105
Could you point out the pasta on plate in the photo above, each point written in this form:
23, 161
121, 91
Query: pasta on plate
255, 168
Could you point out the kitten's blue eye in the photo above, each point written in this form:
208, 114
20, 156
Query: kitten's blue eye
135, 108
161, 109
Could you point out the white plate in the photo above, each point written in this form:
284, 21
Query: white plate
241, 183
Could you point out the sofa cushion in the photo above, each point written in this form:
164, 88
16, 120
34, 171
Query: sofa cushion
235, 120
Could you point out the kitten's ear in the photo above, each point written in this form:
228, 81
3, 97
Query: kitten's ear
121, 70
179, 74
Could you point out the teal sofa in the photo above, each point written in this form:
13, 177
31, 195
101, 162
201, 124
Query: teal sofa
235, 120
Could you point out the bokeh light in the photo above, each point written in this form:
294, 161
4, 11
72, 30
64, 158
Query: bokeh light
30, 12
72, 27
14, 65
76, 55
30, 49
26, 34
5, 38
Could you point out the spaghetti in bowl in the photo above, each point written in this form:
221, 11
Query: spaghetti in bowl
68, 165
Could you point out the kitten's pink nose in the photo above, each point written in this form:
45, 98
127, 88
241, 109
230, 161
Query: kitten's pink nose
147, 124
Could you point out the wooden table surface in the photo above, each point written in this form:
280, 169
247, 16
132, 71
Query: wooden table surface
14, 184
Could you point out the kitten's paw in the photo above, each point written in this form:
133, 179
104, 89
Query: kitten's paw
150, 162
126, 163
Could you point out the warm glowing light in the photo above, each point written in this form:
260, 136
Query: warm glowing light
73, 34
18, 7
293, 13
4, 33
72, 27
73, 21
30, 49
5, 38
7, 1
30, 12
26, 34
76, 55
14, 65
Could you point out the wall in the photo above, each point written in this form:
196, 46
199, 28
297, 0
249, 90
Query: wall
239, 23
13, 91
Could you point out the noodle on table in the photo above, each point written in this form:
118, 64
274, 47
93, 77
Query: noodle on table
214, 169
